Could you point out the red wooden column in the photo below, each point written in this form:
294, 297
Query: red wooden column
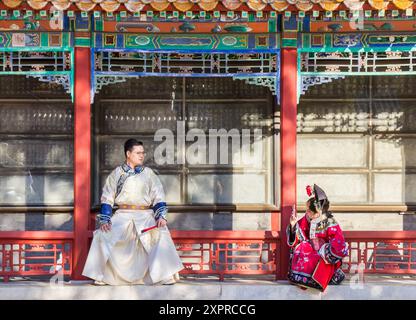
82, 160
275, 215
288, 113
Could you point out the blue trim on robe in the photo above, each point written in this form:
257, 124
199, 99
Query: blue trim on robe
126, 168
160, 209
128, 172
106, 212
330, 256
139, 169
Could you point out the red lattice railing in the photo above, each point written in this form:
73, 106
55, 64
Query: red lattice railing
35, 253
219, 253
386, 252
227, 252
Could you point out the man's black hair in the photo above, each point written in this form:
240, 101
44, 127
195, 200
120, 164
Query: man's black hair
130, 144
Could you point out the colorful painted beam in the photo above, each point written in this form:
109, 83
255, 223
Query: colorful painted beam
209, 42
35, 40
209, 5
339, 42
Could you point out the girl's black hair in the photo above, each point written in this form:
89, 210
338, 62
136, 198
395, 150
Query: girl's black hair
324, 205
311, 205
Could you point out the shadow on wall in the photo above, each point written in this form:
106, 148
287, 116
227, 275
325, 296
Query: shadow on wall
35, 162
378, 116
134, 109
367, 129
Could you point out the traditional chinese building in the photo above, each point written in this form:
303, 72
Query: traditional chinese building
330, 83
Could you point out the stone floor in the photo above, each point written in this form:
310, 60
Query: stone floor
207, 288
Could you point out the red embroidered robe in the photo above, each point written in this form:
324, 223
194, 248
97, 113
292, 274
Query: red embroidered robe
317, 251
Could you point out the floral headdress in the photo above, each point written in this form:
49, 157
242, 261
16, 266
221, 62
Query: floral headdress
318, 194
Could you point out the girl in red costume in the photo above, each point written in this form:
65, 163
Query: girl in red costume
317, 245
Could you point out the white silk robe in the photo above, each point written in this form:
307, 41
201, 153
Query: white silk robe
124, 255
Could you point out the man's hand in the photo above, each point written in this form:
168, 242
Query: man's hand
293, 217
106, 227
161, 223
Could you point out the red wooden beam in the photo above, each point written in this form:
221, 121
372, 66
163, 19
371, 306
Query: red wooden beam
288, 114
36, 235
196, 235
82, 170
380, 235
212, 234
224, 235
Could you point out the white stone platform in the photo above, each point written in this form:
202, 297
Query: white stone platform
388, 287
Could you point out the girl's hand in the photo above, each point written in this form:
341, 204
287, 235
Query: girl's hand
293, 217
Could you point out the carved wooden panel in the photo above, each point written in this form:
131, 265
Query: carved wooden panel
30, 188
36, 153
347, 88
226, 88
137, 117
392, 87
386, 122
227, 115
36, 117
36, 142
29, 88
144, 88
333, 117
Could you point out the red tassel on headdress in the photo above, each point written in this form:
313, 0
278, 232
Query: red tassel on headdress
309, 190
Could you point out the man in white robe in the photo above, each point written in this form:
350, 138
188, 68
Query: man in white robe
122, 251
